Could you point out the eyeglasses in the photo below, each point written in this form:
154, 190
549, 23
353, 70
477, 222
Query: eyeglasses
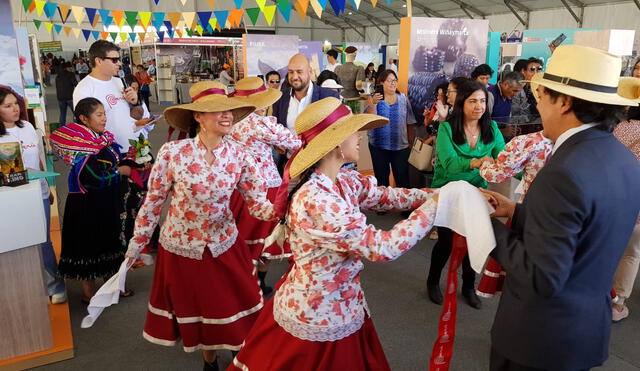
532, 69
274, 81
451, 91
394, 81
113, 59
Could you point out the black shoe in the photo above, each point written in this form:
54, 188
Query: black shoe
435, 295
213, 366
472, 298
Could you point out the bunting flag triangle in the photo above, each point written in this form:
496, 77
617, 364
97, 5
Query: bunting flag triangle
158, 20
50, 9
64, 11
32, 7
132, 18
161, 35
114, 36
253, 14
301, 7
238, 3
145, 19
174, 18
132, 36
374, 3
189, 32
204, 18
199, 29
388, 1
48, 26
212, 24
26, 4
106, 17
95, 34
124, 36
261, 4
67, 30
169, 27
235, 17
57, 28
39, 6
141, 35
211, 3
317, 8
37, 23
104, 35
221, 16
118, 16
338, 6
356, 3
183, 2
178, 31
76, 32
156, 1
78, 13
285, 10
269, 12
91, 16
188, 18
86, 34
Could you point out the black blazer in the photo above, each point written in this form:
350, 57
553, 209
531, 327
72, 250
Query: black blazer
561, 253
281, 107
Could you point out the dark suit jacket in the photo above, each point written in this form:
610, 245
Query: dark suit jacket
281, 107
561, 253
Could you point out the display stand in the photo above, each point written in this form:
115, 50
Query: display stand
164, 79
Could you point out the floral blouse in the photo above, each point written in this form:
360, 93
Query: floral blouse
526, 153
199, 215
256, 134
321, 298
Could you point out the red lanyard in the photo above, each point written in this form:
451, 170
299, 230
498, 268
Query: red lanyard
443, 347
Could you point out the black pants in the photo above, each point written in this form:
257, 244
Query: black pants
439, 256
399, 161
499, 363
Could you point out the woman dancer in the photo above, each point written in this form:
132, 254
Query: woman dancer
204, 290
257, 134
318, 318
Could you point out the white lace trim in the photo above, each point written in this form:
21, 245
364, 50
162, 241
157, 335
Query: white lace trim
196, 251
240, 365
316, 333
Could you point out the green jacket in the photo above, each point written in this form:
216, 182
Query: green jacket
453, 160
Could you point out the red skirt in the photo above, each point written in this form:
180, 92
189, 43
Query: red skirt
492, 278
254, 231
210, 303
270, 347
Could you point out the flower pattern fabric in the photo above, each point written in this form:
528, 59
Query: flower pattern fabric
199, 215
256, 134
321, 298
526, 153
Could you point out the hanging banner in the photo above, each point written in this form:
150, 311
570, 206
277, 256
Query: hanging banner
50, 46
26, 67
264, 53
9, 60
434, 50
204, 41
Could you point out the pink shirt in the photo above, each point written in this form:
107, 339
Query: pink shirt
256, 134
199, 215
321, 298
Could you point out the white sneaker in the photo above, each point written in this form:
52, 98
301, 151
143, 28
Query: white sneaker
59, 298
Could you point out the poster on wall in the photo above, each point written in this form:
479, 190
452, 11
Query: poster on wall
9, 62
535, 43
313, 51
22, 38
264, 53
367, 53
434, 50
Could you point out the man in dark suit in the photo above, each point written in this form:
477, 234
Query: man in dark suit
300, 93
568, 236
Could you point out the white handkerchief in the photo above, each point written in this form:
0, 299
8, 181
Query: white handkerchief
462, 209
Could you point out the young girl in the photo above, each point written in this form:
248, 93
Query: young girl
318, 318
91, 245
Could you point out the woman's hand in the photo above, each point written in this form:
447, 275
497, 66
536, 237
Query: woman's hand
443, 111
125, 170
143, 122
503, 205
131, 95
372, 102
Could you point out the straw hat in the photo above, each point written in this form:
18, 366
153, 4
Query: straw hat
630, 88
582, 72
331, 84
206, 96
253, 91
338, 123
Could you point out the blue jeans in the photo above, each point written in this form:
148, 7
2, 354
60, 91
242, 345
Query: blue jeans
63, 104
55, 284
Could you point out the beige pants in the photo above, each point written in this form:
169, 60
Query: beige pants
628, 267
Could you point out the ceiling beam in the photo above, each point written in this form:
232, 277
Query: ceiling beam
573, 14
395, 14
472, 8
466, 12
525, 23
637, 3
426, 10
361, 33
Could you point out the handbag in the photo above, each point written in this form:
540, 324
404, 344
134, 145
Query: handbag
421, 155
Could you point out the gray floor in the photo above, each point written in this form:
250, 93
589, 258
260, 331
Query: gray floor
405, 320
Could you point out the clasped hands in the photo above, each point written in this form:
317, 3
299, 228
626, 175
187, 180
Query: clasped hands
504, 206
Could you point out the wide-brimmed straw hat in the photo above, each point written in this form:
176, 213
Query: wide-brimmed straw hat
253, 91
585, 73
206, 96
323, 125
629, 88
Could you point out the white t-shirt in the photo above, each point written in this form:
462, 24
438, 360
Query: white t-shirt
331, 67
31, 147
119, 120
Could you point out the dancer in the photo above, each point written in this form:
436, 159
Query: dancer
318, 318
257, 134
204, 289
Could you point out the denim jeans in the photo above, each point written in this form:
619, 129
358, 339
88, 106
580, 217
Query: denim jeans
53, 281
63, 104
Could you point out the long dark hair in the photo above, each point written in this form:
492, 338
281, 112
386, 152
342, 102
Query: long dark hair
457, 119
3, 95
634, 113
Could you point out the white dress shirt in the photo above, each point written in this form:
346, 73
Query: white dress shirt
568, 134
296, 106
